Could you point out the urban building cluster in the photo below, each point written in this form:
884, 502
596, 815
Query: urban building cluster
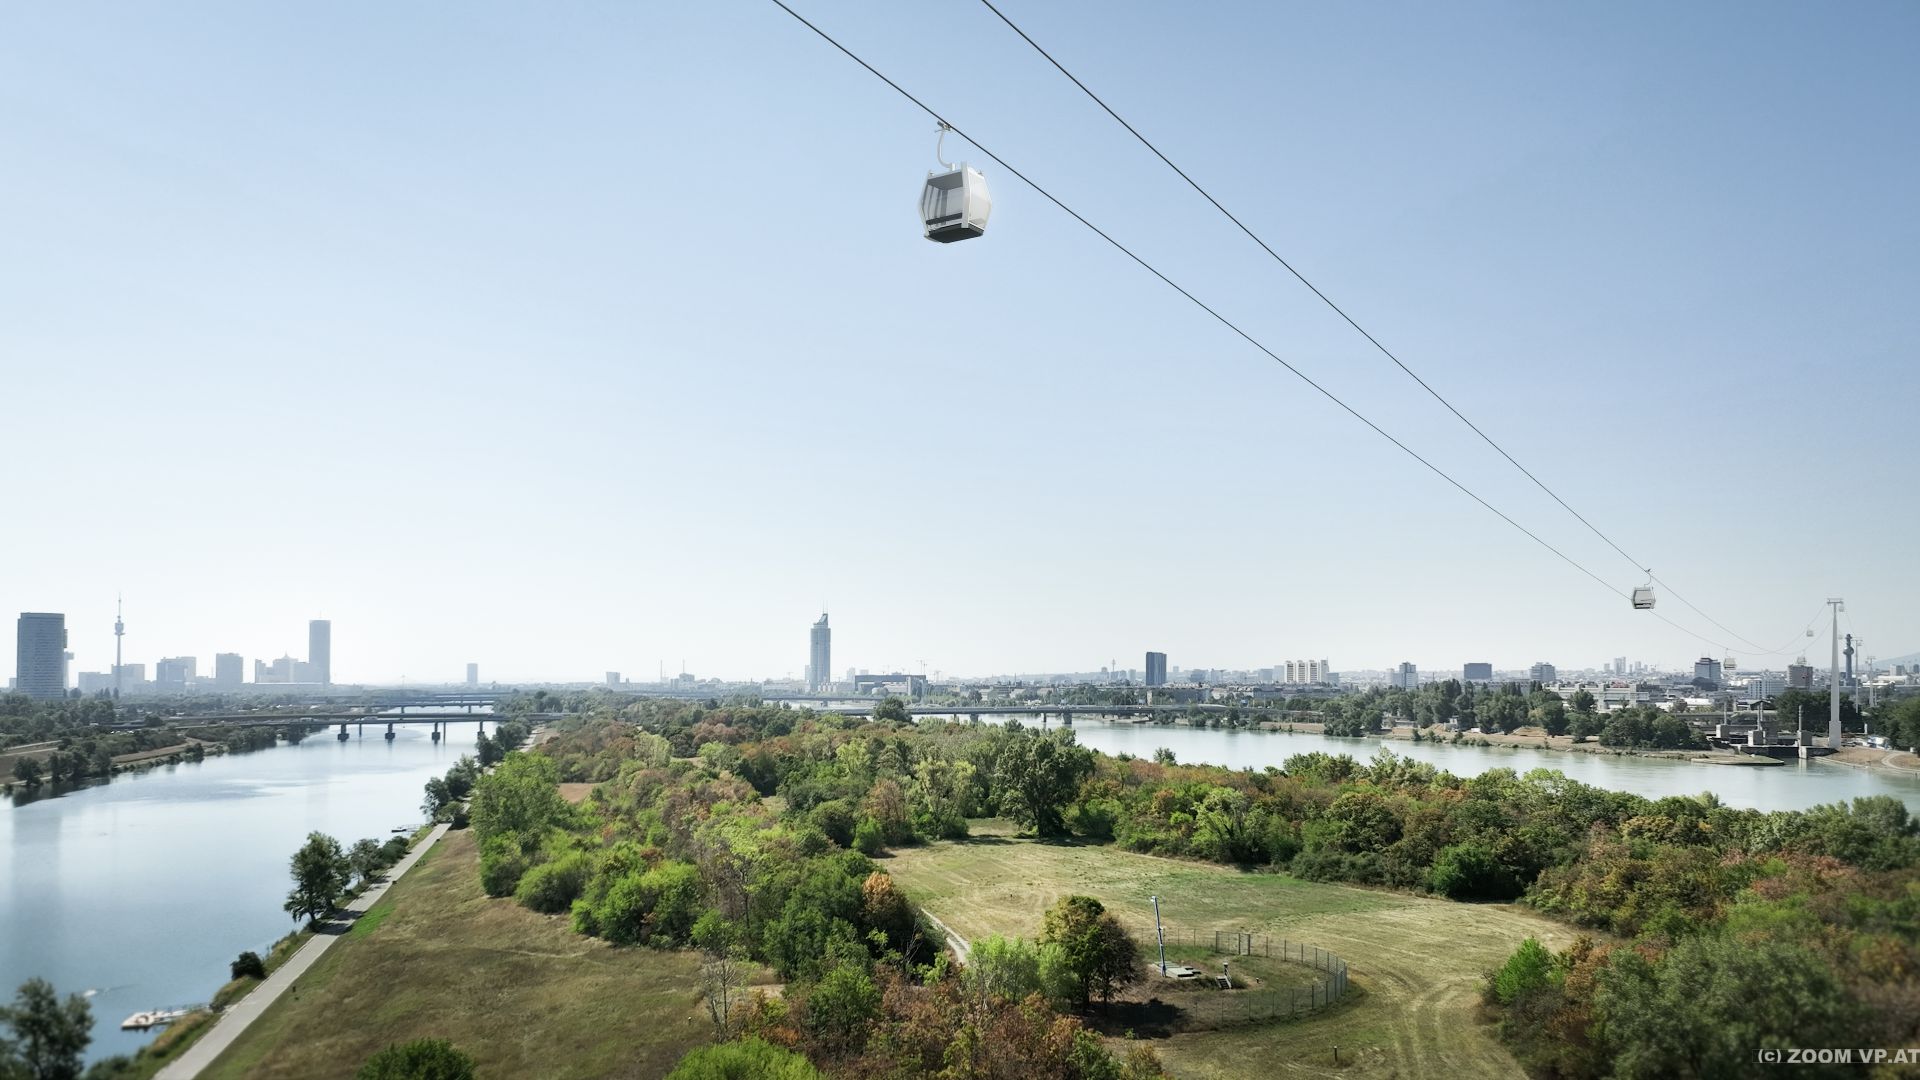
43, 665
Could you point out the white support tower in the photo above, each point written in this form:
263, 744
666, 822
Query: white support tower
1833, 676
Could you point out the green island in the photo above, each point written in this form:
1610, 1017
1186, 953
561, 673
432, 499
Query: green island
695, 890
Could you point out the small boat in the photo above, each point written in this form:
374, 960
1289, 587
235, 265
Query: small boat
152, 1018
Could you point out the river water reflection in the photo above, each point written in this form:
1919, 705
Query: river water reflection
142, 889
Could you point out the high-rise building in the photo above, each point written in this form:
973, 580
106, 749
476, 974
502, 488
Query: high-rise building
1478, 672
320, 650
229, 670
1707, 668
1800, 675
95, 682
129, 678
613, 678
1406, 677
1304, 672
174, 673
820, 657
473, 674
285, 670
40, 664
1156, 669
1543, 673
1619, 665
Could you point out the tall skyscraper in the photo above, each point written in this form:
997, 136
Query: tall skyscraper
229, 670
1156, 669
1619, 665
473, 674
1407, 677
1478, 672
1708, 669
320, 650
820, 657
1543, 673
40, 665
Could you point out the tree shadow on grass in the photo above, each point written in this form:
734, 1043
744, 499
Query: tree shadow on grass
337, 923
1153, 1018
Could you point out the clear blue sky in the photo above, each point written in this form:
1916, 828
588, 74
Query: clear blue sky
564, 338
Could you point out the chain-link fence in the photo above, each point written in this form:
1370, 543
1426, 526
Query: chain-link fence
1266, 1003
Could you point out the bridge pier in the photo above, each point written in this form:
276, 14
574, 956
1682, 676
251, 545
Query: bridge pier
436, 731
343, 731
360, 729
389, 731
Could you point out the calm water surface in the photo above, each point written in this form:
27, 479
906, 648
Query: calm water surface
1793, 786
144, 888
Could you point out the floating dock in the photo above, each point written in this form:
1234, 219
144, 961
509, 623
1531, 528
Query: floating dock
152, 1018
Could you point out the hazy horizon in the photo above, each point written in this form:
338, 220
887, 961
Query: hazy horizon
590, 339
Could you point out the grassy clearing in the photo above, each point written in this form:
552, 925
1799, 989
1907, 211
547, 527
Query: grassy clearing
1415, 962
520, 992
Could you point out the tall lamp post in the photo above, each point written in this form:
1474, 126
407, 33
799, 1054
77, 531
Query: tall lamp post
1159, 934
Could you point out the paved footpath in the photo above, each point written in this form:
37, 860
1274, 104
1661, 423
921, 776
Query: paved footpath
237, 1017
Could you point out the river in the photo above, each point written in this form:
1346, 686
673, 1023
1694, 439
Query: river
143, 888
1793, 786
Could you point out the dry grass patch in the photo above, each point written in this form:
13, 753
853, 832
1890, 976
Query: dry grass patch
1415, 962
520, 992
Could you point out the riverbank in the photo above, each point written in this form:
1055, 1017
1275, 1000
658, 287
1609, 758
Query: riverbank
520, 992
235, 1020
1530, 738
1902, 762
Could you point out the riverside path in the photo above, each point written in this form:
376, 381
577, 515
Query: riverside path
228, 1026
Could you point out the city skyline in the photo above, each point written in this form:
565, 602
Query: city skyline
316, 668
1520, 202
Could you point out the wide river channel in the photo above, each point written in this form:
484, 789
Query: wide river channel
140, 891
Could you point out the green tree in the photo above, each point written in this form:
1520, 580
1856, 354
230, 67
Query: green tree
521, 798
27, 771
1099, 953
1583, 702
1038, 776
748, 1059
437, 797
49, 1035
1471, 872
247, 965
841, 1007
320, 872
1530, 966
1708, 1005
891, 710
366, 858
421, 1059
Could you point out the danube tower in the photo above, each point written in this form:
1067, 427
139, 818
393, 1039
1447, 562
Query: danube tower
119, 631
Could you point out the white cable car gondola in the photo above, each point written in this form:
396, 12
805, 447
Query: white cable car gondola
1643, 595
955, 203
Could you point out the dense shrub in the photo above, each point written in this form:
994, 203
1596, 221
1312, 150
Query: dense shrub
501, 865
748, 1059
552, 887
247, 965
421, 1059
